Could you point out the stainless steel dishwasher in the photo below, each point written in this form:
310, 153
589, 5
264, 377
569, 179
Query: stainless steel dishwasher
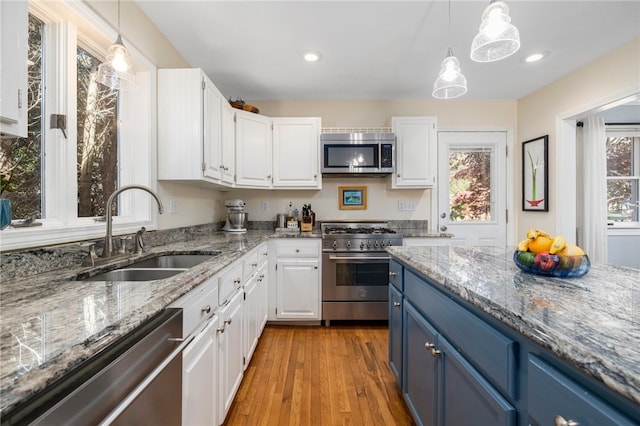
140, 382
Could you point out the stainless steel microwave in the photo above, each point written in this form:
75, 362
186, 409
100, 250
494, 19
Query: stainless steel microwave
358, 153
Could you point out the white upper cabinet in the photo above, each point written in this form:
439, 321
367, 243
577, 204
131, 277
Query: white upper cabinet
416, 152
296, 151
13, 68
189, 126
228, 165
253, 150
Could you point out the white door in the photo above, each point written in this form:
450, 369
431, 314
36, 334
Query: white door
472, 195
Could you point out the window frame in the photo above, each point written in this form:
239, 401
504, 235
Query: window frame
626, 228
67, 25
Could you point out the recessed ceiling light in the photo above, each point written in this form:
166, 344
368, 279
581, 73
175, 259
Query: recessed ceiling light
312, 56
535, 57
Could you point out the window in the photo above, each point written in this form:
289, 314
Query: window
20, 158
623, 177
65, 176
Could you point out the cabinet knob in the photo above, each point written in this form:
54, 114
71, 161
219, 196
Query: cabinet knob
398, 174
396, 304
206, 309
227, 321
220, 329
392, 274
297, 250
560, 421
428, 346
268, 176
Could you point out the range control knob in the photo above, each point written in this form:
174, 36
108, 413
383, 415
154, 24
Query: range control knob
368, 244
377, 244
348, 244
389, 244
361, 245
383, 244
335, 244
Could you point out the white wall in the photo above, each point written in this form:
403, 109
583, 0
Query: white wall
581, 90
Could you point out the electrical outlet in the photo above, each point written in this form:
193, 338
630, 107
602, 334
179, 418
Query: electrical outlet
173, 206
264, 206
406, 205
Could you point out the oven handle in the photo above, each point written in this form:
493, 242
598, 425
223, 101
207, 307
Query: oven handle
359, 258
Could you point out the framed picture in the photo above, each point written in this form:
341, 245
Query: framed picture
352, 197
535, 174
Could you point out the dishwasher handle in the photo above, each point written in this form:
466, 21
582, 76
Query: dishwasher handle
147, 381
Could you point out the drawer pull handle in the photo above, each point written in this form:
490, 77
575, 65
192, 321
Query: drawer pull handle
220, 329
560, 421
253, 265
297, 250
206, 309
396, 304
227, 321
392, 274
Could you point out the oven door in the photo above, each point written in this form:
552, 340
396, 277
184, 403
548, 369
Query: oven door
355, 276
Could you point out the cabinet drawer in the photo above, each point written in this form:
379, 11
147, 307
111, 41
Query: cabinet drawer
395, 274
230, 280
487, 349
198, 304
553, 394
298, 248
249, 265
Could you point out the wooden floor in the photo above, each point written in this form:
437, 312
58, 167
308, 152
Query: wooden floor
316, 375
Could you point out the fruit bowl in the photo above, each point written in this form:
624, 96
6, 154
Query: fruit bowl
552, 265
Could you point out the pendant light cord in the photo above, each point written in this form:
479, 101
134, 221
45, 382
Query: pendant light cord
119, 17
449, 22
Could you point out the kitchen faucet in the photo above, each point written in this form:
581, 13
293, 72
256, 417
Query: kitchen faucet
108, 239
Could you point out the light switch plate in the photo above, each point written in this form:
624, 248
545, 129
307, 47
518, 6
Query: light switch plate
173, 206
406, 205
264, 206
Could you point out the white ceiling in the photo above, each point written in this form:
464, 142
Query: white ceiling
382, 49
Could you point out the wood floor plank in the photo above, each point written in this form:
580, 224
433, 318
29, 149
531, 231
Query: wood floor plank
309, 375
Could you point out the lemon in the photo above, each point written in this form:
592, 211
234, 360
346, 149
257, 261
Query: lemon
540, 244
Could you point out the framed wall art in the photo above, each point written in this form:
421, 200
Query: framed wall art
535, 174
352, 197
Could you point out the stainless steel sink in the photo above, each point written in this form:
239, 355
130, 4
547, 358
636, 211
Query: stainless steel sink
132, 274
156, 268
172, 261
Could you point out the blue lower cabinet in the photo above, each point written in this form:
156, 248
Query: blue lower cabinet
553, 397
467, 397
420, 372
395, 333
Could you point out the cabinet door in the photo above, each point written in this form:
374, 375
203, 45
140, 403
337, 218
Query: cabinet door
395, 333
212, 132
13, 68
551, 394
263, 296
250, 314
230, 364
296, 147
416, 152
228, 164
199, 378
298, 289
253, 150
420, 373
464, 386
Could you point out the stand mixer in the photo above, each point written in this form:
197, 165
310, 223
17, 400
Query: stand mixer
236, 216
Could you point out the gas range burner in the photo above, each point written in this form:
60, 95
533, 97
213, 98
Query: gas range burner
358, 236
358, 230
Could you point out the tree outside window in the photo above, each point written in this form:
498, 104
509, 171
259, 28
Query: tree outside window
623, 176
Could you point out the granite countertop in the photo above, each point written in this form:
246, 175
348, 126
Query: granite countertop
591, 322
51, 323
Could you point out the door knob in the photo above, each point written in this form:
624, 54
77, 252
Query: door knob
443, 215
443, 228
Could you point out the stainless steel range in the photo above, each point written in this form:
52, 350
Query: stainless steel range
355, 269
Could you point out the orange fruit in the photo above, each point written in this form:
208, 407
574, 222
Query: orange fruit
570, 250
540, 244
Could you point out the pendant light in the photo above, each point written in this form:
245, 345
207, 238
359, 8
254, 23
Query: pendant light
115, 72
498, 38
451, 83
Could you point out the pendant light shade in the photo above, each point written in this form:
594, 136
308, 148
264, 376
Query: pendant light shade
497, 38
450, 83
115, 72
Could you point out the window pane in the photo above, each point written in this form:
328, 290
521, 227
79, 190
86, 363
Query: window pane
619, 156
622, 200
20, 158
97, 167
470, 185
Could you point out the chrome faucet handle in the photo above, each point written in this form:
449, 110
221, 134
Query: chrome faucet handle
122, 249
140, 240
91, 258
